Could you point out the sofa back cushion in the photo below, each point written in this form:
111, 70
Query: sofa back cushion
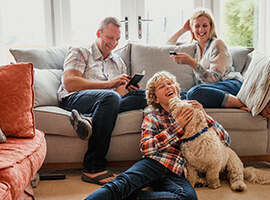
42, 58
240, 57
17, 100
48, 65
154, 58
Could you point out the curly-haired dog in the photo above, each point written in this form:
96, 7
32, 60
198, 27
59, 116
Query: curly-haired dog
205, 153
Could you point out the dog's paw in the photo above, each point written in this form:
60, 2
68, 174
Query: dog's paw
214, 185
238, 186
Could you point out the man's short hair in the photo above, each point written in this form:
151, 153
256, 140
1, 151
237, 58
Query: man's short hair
109, 20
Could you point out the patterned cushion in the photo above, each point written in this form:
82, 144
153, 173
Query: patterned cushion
255, 91
16, 100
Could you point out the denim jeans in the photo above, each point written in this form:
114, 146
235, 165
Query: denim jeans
212, 95
104, 106
146, 173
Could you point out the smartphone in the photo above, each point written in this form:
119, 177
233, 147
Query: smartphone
172, 53
136, 78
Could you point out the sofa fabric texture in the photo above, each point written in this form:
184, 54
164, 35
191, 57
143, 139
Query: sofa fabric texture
250, 135
21, 158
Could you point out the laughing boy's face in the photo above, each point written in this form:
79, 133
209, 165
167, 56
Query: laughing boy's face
164, 91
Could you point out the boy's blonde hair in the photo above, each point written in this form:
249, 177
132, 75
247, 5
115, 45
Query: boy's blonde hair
152, 83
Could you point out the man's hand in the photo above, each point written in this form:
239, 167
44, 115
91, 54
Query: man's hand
132, 87
119, 80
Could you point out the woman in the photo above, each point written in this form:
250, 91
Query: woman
217, 82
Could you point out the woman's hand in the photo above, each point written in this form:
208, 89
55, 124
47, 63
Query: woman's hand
186, 26
183, 58
184, 117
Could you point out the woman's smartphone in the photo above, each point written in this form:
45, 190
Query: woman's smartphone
172, 53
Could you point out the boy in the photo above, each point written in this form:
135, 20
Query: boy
162, 166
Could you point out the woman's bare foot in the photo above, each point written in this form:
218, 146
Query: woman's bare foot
266, 111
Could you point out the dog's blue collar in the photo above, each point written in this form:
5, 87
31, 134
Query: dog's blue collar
194, 136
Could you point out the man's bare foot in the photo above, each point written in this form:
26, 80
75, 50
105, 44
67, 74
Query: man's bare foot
100, 178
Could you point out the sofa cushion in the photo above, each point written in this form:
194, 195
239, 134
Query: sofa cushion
20, 159
53, 120
5, 193
255, 91
46, 84
42, 58
239, 56
17, 100
124, 53
153, 58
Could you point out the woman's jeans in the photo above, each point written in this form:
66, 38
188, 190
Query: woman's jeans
213, 95
146, 173
104, 106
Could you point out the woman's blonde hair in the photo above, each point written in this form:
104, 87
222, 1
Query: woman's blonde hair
152, 83
199, 12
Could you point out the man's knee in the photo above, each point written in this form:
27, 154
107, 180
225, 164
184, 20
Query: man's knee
111, 99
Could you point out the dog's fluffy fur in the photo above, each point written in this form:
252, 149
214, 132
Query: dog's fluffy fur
207, 154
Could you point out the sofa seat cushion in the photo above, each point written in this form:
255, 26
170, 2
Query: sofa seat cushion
236, 119
54, 120
5, 193
21, 158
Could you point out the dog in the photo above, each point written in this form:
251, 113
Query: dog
206, 154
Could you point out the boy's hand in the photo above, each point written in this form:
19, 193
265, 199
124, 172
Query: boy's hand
184, 117
196, 104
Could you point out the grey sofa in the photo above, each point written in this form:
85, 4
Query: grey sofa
250, 135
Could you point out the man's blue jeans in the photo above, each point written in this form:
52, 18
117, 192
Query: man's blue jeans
146, 173
104, 105
212, 95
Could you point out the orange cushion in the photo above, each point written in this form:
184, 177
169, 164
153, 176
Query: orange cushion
17, 100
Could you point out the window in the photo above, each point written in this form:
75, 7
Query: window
168, 16
21, 25
239, 22
86, 16
46, 23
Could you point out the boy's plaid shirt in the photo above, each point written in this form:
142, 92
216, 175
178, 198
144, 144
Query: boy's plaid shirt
161, 138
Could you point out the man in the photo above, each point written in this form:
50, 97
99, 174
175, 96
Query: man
93, 84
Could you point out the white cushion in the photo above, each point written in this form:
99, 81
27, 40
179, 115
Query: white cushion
254, 92
46, 84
